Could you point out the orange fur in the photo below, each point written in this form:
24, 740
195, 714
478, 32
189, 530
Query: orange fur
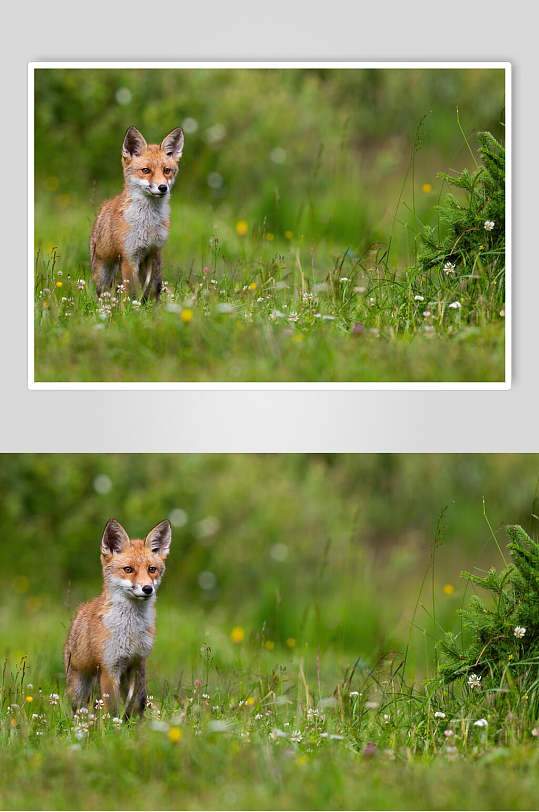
131, 229
111, 635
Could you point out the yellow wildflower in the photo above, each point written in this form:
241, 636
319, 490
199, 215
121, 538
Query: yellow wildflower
241, 228
237, 634
175, 734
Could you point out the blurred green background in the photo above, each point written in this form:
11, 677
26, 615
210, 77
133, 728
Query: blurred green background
322, 550
320, 154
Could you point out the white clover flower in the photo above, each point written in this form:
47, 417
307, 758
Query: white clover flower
296, 736
455, 305
439, 715
116, 721
488, 225
449, 268
53, 699
520, 631
354, 693
135, 304
426, 314
481, 723
419, 298
81, 284
344, 279
474, 681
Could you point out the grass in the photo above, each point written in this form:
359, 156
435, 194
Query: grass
257, 307
253, 725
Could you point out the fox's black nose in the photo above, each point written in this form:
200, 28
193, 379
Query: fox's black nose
163, 187
147, 589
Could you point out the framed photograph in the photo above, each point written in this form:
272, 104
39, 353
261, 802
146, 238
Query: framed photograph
269, 225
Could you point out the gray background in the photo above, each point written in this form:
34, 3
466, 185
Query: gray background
270, 420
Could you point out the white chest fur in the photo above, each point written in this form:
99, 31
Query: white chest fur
130, 625
146, 218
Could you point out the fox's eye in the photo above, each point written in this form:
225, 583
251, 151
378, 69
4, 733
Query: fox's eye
152, 569
129, 569
166, 170
146, 170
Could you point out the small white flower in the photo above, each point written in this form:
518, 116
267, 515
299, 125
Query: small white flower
455, 305
81, 284
53, 699
439, 715
520, 631
426, 314
157, 724
227, 307
116, 721
220, 726
449, 268
354, 693
481, 723
296, 736
474, 681
419, 298
344, 279
489, 225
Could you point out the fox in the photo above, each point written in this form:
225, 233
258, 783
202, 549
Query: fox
131, 229
111, 636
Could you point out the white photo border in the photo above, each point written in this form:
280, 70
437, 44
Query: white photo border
268, 385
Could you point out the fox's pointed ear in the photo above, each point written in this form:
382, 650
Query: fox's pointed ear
172, 144
158, 539
134, 143
114, 538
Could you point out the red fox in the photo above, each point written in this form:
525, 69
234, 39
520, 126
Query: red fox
131, 229
111, 636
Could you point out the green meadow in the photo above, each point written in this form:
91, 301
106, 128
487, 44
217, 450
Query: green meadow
312, 234
299, 660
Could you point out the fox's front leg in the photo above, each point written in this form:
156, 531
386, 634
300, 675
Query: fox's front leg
150, 276
130, 277
157, 279
135, 699
110, 691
